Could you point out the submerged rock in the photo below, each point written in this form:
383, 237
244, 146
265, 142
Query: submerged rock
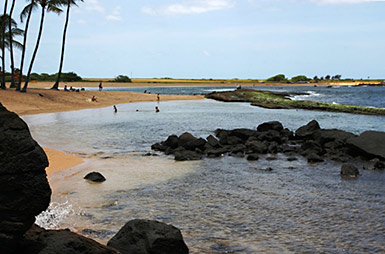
95, 177
349, 170
148, 237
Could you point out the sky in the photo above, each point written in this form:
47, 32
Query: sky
214, 38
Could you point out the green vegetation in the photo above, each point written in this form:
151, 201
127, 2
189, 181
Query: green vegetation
277, 78
275, 100
66, 77
123, 79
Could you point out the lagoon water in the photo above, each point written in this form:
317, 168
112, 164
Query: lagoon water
225, 205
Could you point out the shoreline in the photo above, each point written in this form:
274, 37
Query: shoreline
59, 160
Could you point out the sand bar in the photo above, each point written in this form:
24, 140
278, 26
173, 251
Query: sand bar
60, 160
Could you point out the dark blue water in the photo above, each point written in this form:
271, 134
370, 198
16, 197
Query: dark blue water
360, 96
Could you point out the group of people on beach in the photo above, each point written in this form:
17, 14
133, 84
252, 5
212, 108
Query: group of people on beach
71, 89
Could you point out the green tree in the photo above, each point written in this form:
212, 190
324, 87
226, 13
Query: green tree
11, 45
327, 77
69, 3
49, 6
277, 78
122, 78
299, 79
2, 86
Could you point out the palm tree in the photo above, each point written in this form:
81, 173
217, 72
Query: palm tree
27, 12
2, 86
11, 46
69, 4
46, 5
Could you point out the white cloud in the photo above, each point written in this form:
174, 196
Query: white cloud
190, 7
94, 5
115, 14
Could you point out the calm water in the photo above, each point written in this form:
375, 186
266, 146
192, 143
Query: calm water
226, 205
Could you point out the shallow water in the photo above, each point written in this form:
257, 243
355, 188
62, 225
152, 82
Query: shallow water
225, 205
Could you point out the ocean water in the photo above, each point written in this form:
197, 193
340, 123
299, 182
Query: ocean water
224, 205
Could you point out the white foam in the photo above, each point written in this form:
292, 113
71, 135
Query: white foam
305, 96
54, 215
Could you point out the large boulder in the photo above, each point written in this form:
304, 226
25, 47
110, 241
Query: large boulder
148, 237
273, 125
38, 240
349, 170
306, 132
171, 141
369, 144
243, 134
95, 177
187, 155
329, 135
185, 138
25, 191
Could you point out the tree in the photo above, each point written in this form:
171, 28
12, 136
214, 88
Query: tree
11, 45
2, 86
277, 78
300, 79
69, 4
327, 77
122, 78
7, 39
46, 5
27, 12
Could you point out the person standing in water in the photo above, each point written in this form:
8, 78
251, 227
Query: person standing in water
100, 86
156, 109
115, 109
158, 97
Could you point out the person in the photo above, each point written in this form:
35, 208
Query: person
145, 91
115, 109
66, 88
156, 109
158, 97
93, 98
100, 86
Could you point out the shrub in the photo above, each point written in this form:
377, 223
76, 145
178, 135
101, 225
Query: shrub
122, 78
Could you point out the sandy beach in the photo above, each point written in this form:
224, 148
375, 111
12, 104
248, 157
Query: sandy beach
38, 101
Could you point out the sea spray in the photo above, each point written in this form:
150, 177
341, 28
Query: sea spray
55, 214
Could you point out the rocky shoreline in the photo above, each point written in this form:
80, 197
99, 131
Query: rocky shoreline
271, 138
278, 100
25, 193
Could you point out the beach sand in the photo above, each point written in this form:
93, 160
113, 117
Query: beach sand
59, 161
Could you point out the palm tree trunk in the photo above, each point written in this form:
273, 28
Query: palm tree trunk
56, 85
35, 51
2, 86
13, 85
18, 86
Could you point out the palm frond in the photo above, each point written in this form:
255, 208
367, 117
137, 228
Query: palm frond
54, 8
25, 12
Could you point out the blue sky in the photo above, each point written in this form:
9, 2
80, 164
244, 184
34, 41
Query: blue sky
216, 38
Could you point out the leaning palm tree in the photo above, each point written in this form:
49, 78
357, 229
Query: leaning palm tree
11, 46
2, 86
26, 13
69, 3
46, 5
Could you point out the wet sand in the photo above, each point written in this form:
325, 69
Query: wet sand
60, 160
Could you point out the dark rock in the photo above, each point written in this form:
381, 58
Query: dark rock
213, 142
287, 133
323, 136
291, 158
38, 240
159, 147
271, 158
240, 148
273, 147
216, 152
273, 125
271, 135
370, 144
185, 138
95, 177
349, 170
311, 146
252, 157
375, 164
25, 191
171, 141
268, 169
148, 237
257, 146
314, 158
232, 140
198, 143
306, 132
187, 155
243, 134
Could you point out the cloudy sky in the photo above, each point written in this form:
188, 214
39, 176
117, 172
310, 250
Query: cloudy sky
216, 38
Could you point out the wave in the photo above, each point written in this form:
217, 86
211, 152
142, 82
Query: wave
54, 215
309, 94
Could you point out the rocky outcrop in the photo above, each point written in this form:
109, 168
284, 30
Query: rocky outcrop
148, 237
95, 177
349, 170
25, 191
370, 144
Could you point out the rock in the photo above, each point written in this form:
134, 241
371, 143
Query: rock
252, 157
273, 125
216, 152
256, 146
306, 132
185, 138
25, 191
38, 240
213, 142
349, 170
171, 141
291, 158
232, 140
375, 164
310, 146
243, 134
95, 177
198, 143
187, 155
271, 158
271, 135
148, 237
159, 147
314, 158
323, 136
370, 144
